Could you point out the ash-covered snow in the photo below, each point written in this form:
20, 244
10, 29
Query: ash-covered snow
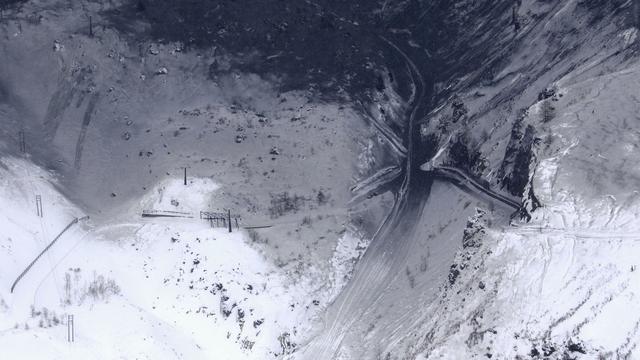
565, 284
535, 99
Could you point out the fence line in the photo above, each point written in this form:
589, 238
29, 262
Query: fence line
24, 272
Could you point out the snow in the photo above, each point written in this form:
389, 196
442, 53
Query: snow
570, 275
171, 194
147, 289
176, 288
630, 35
348, 251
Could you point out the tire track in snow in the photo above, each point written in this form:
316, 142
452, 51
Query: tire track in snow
389, 247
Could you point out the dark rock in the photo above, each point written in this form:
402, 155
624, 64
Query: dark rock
514, 170
548, 349
576, 347
534, 352
459, 110
453, 274
546, 93
464, 155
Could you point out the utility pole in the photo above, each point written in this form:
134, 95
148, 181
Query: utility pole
70, 329
39, 205
229, 219
185, 176
23, 147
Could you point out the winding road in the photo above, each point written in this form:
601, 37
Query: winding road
374, 311
471, 185
370, 289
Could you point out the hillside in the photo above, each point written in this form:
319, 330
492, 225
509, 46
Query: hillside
425, 179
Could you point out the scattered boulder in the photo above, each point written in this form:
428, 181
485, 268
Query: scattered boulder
57, 46
459, 110
575, 347
546, 93
454, 272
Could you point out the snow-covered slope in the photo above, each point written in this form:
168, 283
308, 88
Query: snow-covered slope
565, 284
536, 100
144, 288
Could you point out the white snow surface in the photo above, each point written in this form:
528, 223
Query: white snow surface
143, 288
